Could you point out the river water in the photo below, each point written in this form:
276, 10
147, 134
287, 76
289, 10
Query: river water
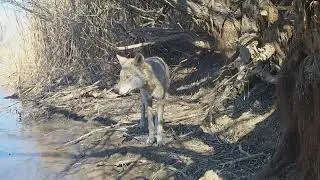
22, 155
18, 156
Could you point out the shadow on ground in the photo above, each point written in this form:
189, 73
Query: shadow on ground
189, 153
192, 152
120, 151
256, 100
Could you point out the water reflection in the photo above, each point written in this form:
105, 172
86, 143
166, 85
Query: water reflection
25, 156
12, 143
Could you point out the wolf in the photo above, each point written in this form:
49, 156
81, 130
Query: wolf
151, 76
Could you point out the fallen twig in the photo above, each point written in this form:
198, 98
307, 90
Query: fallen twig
163, 39
183, 136
109, 90
81, 92
241, 159
87, 135
154, 176
131, 136
243, 151
197, 43
128, 162
187, 117
179, 171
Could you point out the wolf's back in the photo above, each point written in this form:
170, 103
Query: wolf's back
160, 69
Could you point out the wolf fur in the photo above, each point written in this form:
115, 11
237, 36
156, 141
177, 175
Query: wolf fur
151, 77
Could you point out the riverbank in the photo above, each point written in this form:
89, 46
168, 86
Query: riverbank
102, 127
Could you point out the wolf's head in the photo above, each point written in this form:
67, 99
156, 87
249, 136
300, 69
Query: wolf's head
131, 74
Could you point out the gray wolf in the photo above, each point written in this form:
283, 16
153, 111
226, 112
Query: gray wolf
151, 76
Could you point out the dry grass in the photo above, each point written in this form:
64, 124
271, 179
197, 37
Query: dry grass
13, 57
73, 42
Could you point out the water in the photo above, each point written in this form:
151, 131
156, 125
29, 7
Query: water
19, 154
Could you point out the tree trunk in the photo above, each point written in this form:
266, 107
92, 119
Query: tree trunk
299, 98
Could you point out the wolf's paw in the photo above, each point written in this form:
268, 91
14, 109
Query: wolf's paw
151, 140
160, 141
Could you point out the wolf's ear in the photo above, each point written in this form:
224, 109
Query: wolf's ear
121, 59
138, 59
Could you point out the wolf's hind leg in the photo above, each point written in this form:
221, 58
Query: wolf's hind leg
160, 122
151, 127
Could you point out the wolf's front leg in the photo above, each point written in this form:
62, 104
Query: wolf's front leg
160, 122
143, 118
145, 101
151, 128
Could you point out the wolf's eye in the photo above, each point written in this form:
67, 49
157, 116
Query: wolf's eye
126, 77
